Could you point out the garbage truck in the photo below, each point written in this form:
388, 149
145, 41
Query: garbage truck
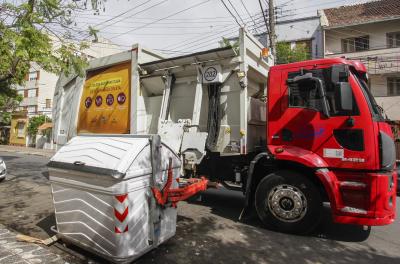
290, 137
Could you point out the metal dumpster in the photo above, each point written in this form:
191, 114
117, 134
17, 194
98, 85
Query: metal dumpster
102, 192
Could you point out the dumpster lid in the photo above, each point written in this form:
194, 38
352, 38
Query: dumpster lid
105, 154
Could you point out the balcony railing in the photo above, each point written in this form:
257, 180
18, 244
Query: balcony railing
377, 61
27, 101
31, 84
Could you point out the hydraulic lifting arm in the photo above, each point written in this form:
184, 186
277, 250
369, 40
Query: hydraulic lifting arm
173, 196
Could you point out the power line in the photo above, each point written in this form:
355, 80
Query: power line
228, 34
248, 13
237, 13
230, 12
194, 40
141, 11
123, 13
160, 19
265, 19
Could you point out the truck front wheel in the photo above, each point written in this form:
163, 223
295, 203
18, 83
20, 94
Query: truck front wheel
287, 201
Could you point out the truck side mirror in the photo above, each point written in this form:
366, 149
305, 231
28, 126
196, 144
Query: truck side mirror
346, 96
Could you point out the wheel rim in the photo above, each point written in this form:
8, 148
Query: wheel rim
287, 203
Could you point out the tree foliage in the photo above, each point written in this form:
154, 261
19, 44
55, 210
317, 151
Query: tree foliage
39, 31
286, 54
35, 122
8, 103
234, 44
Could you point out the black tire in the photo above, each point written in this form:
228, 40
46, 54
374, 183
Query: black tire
297, 184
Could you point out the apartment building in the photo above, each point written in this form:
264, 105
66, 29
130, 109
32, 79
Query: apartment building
369, 32
37, 92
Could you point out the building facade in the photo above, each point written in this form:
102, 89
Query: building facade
304, 31
369, 32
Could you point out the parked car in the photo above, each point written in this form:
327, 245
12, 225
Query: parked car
3, 170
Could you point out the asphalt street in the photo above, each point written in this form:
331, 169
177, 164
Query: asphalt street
207, 232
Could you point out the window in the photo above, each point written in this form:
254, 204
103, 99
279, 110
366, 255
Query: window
393, 86
393, 39
48, 103
21, 92
32, 92
306, 95
20, 129
355, 44
32, 109
33, 76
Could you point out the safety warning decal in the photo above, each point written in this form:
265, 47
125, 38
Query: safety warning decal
105, 101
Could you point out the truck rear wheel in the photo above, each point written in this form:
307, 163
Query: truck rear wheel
287, 201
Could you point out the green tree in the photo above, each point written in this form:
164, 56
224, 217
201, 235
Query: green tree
8, 103
40, 31
285, 54
34, 123
233, 44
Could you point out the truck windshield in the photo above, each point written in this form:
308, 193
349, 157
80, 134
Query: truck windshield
310, 98
375, 109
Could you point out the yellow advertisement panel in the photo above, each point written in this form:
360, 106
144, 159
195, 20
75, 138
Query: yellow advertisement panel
105, 101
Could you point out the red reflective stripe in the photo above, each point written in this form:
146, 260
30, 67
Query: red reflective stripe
121, 198
119, 216
117, 231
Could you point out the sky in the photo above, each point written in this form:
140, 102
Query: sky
176, 27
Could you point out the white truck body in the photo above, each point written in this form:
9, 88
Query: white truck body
170, 97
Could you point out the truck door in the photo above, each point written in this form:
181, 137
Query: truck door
341, 137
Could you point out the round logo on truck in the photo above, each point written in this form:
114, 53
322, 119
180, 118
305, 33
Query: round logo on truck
110, 99
88, 102
99, 100
210, 74
121, 98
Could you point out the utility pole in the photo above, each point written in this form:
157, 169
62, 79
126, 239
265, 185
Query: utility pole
272, 36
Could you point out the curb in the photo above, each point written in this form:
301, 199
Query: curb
48, 155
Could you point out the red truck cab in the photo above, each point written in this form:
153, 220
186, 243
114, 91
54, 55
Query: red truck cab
324, 124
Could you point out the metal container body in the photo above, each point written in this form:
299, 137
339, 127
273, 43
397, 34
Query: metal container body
114, 217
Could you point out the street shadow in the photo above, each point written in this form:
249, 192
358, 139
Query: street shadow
46, 223
196, 242
340, 232
46, 174
229, 204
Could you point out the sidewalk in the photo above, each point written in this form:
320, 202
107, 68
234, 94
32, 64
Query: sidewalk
14, 252
26, 150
